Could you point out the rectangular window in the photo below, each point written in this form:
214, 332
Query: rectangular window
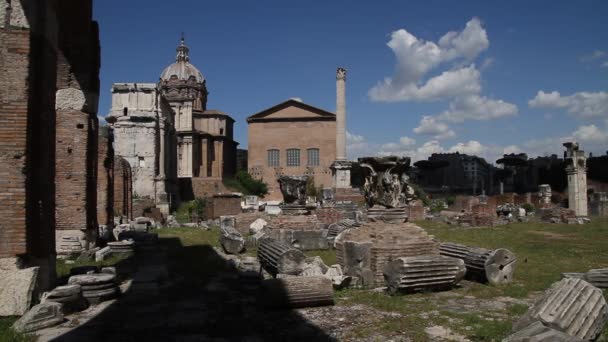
142, 162
273, 158
293, 157
313, 157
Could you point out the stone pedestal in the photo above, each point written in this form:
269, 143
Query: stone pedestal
341, 173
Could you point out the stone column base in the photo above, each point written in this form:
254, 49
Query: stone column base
341, 173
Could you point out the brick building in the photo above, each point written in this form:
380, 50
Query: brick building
49, 57
291, 138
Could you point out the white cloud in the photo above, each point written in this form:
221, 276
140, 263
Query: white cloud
591, 134
585, 105
102, 120
597, 54
471, 147
430, 126
353, 138
605, 64
416, 57
407, 142
475, 107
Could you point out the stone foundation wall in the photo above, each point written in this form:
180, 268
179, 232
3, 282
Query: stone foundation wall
415, 213
294, 222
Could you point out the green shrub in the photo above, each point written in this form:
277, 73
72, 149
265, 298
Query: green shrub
421, 194
244, 183
450, 200
190, 210
528, 207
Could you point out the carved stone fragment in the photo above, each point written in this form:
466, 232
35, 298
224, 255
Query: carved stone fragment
276, 257
537, 332
232, 241
40, 316
572, 306
493, 266
297, 292
425, 272
598, 277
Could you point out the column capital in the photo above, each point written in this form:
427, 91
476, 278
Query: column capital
341, 74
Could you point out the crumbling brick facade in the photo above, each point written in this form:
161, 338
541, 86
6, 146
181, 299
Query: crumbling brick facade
77, 124
105, 179
123, 189
44, 46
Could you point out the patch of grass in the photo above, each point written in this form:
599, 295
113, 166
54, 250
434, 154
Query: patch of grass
192, 236
7, 334
328, 256
63, 268
544, 251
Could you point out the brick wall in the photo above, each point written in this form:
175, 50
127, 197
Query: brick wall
27, 119
223, 205
105, 179
328, 215
77, 125
123, 188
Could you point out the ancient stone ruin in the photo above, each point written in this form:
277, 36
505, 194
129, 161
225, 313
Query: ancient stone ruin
572, 306
425, 272
493, 266
576, 168
364, 252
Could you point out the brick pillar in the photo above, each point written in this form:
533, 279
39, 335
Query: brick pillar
27, 127
105, 179
77, 124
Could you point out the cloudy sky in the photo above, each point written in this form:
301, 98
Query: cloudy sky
478, 77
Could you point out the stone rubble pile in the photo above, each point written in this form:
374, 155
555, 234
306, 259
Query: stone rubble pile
279, 258
70, 296
124, 248
231, 240
492, 266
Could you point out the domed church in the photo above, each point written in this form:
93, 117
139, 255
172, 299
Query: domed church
178, 149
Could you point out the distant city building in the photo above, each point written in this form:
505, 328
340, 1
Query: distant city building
291, 138
455, 173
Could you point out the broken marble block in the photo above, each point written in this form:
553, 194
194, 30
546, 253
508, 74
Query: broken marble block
537, 332
124, 248
16, 290
70, 296
257, 225
103, 253
572, 306
232, 241
492, 266
598, 277
297, 292
424, 272
276, 257
96, 288
41, 316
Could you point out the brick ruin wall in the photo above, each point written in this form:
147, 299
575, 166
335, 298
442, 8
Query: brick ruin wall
77, 124
123, 189
221, 206
105, 180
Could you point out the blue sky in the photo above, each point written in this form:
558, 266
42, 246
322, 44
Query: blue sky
423, 76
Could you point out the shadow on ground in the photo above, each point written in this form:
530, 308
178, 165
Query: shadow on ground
204, 298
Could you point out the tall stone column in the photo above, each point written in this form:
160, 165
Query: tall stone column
576, 169
341, 166
341, 114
